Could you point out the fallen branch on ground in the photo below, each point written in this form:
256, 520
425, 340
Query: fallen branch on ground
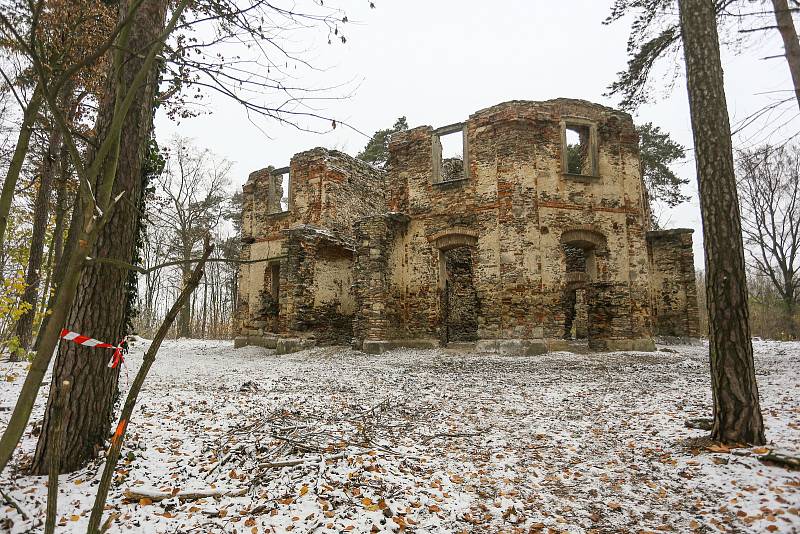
782, 459
11, 502
299, 461
426, 439
156, 495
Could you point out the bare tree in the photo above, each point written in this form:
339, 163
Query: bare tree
191, 193
769, 193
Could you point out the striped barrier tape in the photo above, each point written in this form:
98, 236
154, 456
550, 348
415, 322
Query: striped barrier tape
116, 359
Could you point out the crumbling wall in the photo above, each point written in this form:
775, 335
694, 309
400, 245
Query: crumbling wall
517, 210
613, 323
328, 191
372, 288
518, 202
316, 286
673, 289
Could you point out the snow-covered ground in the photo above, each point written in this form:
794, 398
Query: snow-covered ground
430, 441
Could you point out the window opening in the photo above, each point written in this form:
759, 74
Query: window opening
579, 159
579, 154
278, 193
449, 154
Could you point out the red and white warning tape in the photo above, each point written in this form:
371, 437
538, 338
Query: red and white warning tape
116, 359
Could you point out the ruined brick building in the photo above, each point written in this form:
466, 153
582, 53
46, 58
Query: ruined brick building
537, 235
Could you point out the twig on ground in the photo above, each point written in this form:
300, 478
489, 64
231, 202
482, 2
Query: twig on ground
426, 439
299, 461
11, 502
188, 495
782, 459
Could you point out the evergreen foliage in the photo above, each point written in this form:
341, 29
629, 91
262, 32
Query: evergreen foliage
377, 150
657, 152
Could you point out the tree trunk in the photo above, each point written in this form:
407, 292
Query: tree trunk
737, 413
61, 264
205, 307
785, 23
185, 317
58, 233
100, 302
14, 168
41, 214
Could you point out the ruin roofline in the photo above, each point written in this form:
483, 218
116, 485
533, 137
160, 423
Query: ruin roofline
526, 110
539, 110
316, 153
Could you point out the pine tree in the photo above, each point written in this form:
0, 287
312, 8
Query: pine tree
377, 150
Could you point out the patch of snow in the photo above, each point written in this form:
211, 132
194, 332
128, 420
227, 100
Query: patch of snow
332, 440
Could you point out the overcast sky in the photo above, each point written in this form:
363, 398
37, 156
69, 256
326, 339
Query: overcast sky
438, 62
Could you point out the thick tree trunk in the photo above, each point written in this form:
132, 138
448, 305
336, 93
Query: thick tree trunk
785, 23
100, 302
737, 413
41, 213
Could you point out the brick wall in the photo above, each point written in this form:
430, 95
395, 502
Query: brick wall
328, 192
368, 255
518, 204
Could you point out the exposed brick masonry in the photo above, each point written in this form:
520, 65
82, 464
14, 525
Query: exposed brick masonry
511, 250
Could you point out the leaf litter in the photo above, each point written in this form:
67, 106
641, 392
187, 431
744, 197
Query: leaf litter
332, 440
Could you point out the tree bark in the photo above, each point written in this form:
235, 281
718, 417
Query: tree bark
57, 247
100, 302
41, 213
62, 260
52, 475
737, 413
185, 317
785, 23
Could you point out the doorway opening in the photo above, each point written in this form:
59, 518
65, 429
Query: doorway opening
460, 300
576, 310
